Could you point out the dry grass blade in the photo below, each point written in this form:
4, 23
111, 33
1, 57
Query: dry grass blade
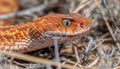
117, 67
41, 60
80, 6
36, 60
107, 23
27, 11
88, 11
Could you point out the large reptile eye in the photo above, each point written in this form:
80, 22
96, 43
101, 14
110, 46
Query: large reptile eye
66, 23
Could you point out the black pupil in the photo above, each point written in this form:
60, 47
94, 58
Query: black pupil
66, 23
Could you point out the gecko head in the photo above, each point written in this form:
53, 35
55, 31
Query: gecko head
65, 25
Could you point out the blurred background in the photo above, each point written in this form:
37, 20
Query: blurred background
99, 49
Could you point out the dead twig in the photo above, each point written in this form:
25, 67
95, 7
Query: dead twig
107, 24
35, 59
24, 12
80, 6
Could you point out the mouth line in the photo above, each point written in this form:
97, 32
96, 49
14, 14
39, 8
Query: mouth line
65, 34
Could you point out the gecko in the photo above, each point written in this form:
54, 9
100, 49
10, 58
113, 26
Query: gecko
38, 33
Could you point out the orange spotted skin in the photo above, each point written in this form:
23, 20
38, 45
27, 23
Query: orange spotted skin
39, 33
8, 6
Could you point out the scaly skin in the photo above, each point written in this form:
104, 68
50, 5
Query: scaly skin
39, 33
8, 6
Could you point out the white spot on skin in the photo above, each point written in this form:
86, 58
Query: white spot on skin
16, 48
13, 48
30, 41
6, 48
78, 26
21, 47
